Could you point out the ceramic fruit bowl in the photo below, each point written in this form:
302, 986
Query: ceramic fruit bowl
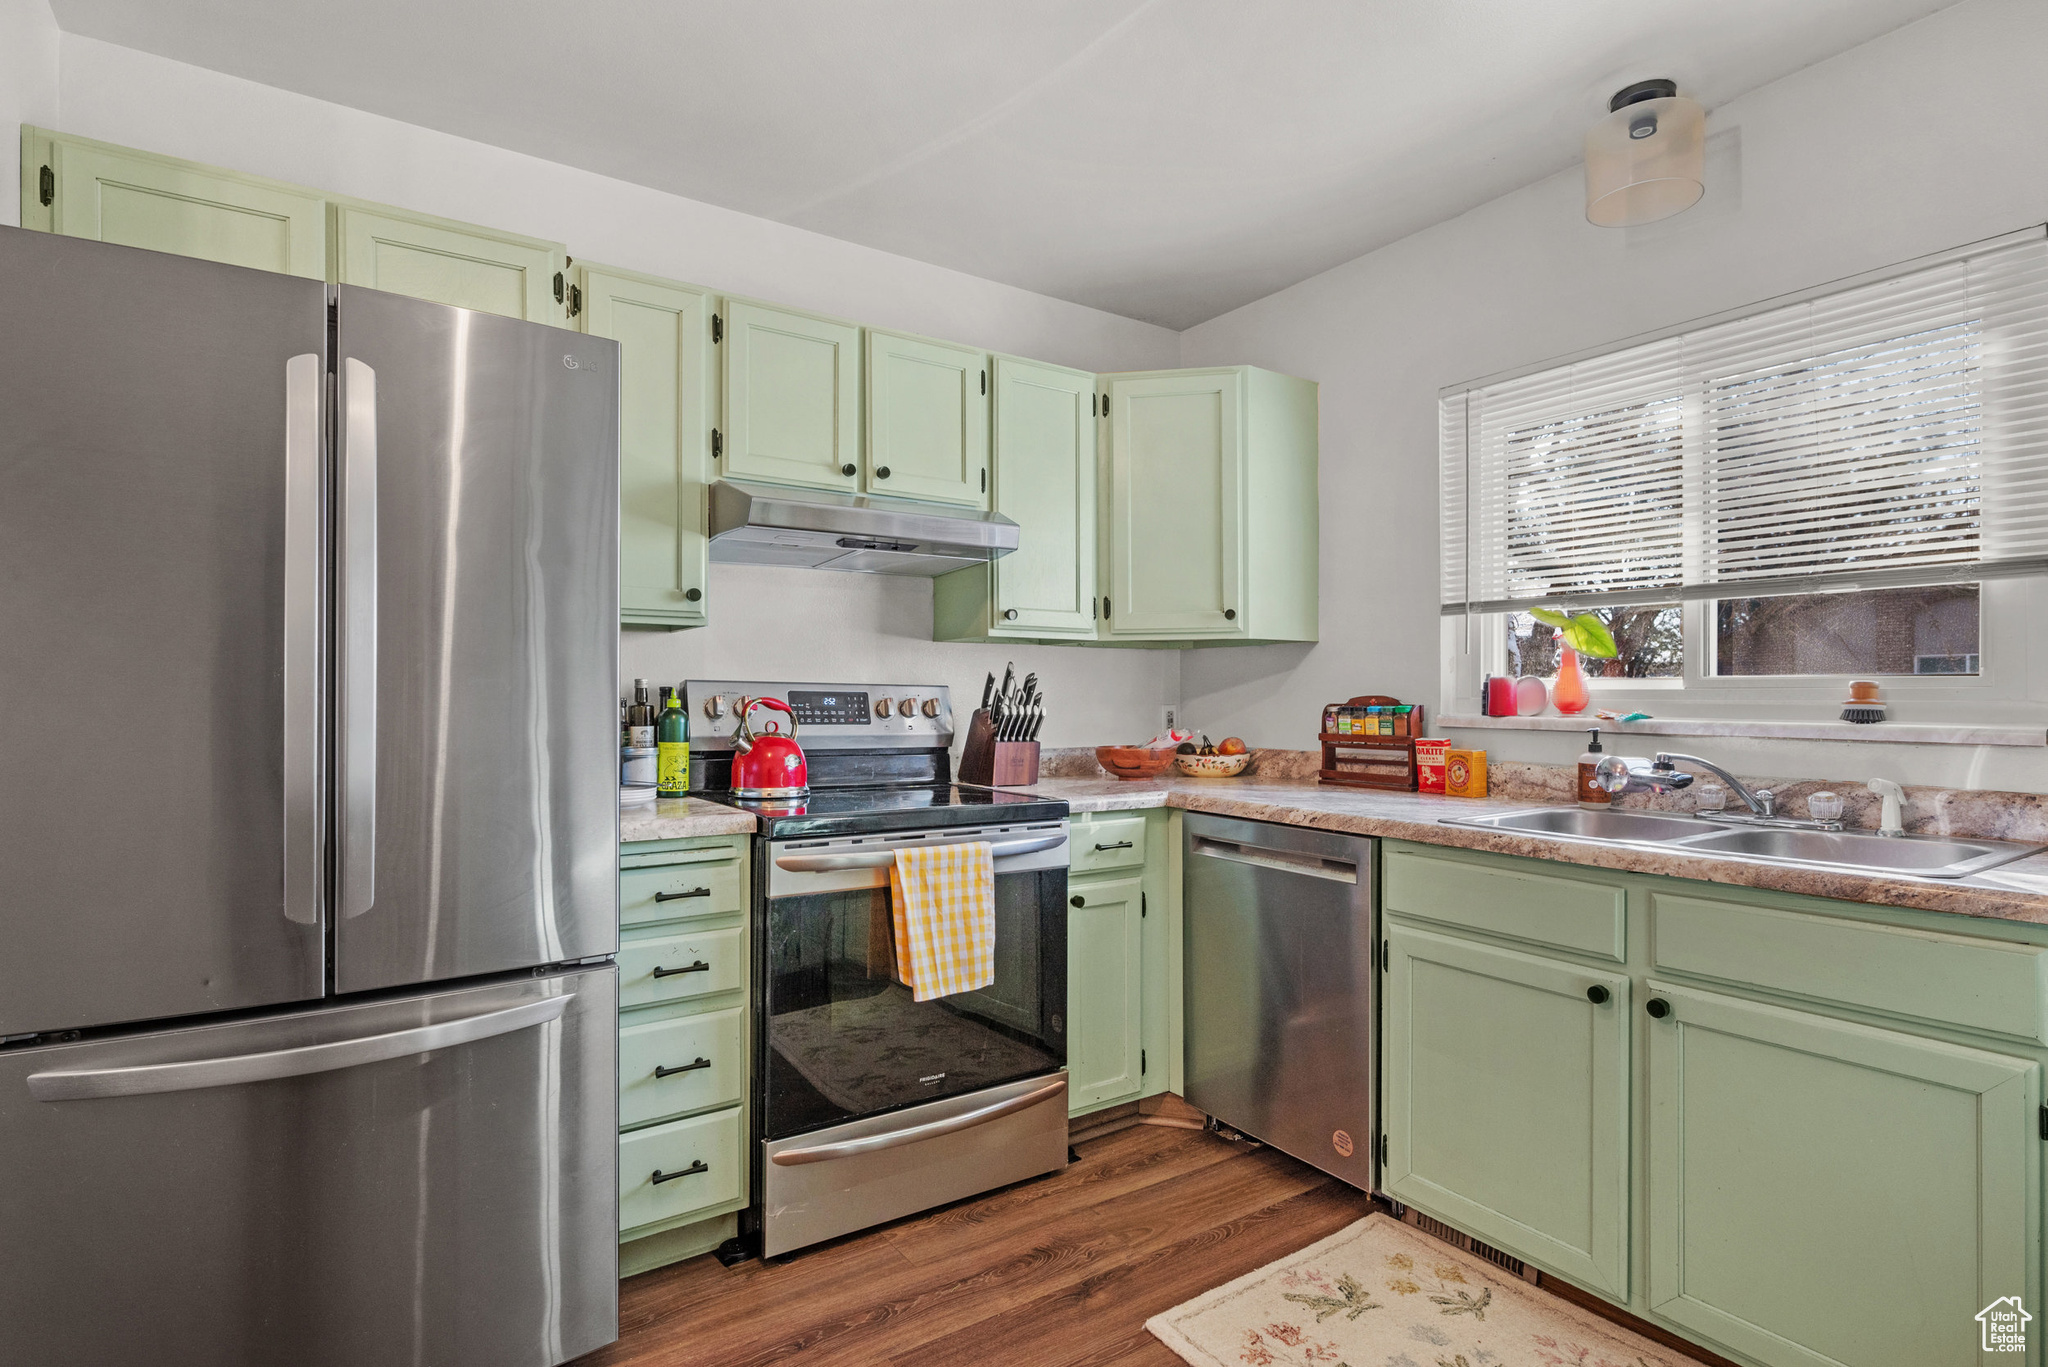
1133, 761
1212, 766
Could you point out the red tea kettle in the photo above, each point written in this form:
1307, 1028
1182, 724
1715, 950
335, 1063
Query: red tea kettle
770, 764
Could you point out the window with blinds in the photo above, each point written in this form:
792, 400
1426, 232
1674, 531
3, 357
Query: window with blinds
1890, 433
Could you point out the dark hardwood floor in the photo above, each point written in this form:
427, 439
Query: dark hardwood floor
1063, 1270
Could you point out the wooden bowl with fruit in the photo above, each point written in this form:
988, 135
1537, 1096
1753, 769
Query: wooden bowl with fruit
1213, 761
1134, 761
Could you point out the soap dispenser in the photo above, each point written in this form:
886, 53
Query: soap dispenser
1592, 794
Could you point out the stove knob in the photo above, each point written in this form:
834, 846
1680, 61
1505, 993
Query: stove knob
714, 707
907, 708
931, 707
883, 707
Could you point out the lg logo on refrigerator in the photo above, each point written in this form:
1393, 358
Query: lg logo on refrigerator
572, 363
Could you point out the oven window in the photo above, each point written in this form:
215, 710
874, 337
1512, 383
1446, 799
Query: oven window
845, 1039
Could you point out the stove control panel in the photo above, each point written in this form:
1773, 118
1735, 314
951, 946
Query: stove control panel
829, 716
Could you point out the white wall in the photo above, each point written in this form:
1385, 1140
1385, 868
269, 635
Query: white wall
28, 87
1930, 137
767, 623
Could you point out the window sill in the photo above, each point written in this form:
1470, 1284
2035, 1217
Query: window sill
1886, 733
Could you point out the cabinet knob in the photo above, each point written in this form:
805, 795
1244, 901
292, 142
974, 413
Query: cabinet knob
693, 595
849, 469
1077, 900
1657, 1007
1598, 995
1009, 614
881, 472
1230, 614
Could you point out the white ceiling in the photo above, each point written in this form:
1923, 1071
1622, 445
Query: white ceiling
1164, 159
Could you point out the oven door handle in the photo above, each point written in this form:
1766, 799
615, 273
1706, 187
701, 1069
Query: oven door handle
882, 859
825, 1153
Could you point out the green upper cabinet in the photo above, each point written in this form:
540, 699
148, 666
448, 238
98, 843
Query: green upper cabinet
665, 391
792, 398
1824, 1193
450, 263
1212, 528
1506, 1092
113, 194
927, 414
1045, 482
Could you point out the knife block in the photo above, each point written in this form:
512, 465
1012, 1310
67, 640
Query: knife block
996, 763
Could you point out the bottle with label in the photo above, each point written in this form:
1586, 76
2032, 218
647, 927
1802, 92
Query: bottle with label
640, 719
672, 741
1590, 795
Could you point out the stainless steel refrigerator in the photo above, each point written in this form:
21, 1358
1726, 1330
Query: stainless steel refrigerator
308, 822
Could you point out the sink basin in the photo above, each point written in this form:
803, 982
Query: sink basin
1923, 856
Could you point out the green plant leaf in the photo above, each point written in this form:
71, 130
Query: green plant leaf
1589, 636
1551, 616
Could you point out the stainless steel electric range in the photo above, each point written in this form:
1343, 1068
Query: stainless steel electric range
867, 1105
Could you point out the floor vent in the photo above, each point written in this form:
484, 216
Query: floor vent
1437, 1229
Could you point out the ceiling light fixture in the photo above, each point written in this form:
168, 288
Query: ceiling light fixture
1647, 159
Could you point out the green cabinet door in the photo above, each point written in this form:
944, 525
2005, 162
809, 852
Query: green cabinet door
1176, 552
664, 335
792, 398
1506, 1093
927, 411
1104, 997
112, 194
1828, 1194
1045, 477
450, 263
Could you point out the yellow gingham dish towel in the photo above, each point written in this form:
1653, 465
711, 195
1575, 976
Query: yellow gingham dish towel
943, 901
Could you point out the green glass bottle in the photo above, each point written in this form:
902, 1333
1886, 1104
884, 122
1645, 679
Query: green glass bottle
672, 748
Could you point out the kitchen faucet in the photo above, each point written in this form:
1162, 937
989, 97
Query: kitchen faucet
1618, 774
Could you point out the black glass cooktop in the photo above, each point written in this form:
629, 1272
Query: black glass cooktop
860, 811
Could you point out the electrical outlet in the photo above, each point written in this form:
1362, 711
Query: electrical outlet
1169, 717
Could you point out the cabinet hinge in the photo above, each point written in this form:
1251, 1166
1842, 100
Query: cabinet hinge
1105, 607
46, 186
575, 300
984, 480
1141, 1063
559, 282
1386, 955
1105, 405
717, 329
2044, 1122
1094, 609
1141, 905
1383, 1148
984, 382
717, 443
1091, 407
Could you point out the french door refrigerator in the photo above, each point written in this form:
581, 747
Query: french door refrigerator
308, 822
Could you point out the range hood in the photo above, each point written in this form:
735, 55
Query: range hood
755, 524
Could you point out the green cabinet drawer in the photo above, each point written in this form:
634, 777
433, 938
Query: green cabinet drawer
677, 967
1978, 984
1501, 899
1102, 845
659, 1174
672, 892
685, 1063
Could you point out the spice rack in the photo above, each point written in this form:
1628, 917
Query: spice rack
1373, 761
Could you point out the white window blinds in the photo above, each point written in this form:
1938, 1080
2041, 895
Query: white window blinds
1888, 433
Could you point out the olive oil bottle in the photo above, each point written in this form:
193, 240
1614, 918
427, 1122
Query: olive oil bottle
672, 748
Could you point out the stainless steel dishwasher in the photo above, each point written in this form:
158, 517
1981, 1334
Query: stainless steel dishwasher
1279, 948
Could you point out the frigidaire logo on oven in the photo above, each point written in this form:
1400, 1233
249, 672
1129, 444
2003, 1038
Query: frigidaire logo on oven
934, 1078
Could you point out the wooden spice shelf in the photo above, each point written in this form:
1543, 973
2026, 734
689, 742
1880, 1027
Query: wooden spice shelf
1398, 772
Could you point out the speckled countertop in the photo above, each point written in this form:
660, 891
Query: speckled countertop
2012, 892
681, 819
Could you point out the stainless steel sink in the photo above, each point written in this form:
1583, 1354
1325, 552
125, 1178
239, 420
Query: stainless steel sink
1923, 856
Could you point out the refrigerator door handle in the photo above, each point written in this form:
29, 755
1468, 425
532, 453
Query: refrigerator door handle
233, 1070
302, 624
357, 733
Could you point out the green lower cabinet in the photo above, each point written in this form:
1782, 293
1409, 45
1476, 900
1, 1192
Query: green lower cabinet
1824, 1193
1506, 1083
1104, 992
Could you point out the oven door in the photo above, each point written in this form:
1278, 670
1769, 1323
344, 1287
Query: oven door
844, 1040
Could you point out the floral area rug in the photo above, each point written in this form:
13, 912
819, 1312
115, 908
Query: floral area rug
1383, 1294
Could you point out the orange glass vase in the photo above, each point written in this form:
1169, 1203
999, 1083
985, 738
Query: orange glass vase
1569, 694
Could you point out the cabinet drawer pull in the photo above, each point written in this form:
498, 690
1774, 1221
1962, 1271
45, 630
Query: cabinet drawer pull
849, 468
1230, 614
661, 1072
1077, 900
699, 1166
881, 472
1657, 1007
1598, 995
680, 896
1118, 845
1009, 614
699, 967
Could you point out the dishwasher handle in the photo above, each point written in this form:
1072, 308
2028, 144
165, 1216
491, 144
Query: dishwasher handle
1286, 861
